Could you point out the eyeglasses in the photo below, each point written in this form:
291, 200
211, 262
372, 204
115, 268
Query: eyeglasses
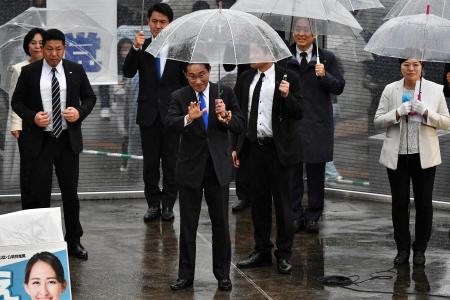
302, 29
193, 77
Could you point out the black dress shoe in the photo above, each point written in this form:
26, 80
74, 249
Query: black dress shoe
167, 214
419, 258
224, 284
256, 259
77, 250
283, 266
298, 224
181, 284
402, 258
312, 227
239, 204
152, 213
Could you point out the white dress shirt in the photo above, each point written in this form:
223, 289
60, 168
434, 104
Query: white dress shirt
308, 52
46, 91
206, 97
264, 121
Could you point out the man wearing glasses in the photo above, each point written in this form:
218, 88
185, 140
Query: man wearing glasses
158, 78
319, 78
203, 116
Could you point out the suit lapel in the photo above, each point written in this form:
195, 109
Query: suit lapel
213, 95
38, 74
68, 73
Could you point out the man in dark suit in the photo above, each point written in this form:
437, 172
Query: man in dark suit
270, 145
53, 96
318, 80
203, 116
158, 78
446, 80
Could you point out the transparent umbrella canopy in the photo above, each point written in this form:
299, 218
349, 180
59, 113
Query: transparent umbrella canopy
219, 36
422, 36
74, 23
328, 17
353, 5
440, 8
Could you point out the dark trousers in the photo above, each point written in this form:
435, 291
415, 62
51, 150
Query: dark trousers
216, 197
55, 152
315, 180
242, 179
159, 146
408, 168
269, 180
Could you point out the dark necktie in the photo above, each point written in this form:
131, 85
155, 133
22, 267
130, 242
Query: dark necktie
158, 66
251, 132
201, 97
303, 62
56, 106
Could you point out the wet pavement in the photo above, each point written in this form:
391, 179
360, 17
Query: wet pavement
129, 259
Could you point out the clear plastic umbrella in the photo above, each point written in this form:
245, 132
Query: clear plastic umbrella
423, 37
83, 36
353, 5
440, 8
329, 17
219, 36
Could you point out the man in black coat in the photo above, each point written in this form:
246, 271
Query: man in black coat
318, 80
53, 96
158, 78
203, 116
446, 80
272, 107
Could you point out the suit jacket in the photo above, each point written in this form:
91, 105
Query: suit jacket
27, 101
286, 114
445, 82
196, 143
317, 125
438, 117
15, 122
154, 94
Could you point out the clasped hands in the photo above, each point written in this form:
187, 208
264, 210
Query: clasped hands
406, 107
42, 118
194, 111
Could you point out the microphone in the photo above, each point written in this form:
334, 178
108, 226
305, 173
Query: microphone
406, 98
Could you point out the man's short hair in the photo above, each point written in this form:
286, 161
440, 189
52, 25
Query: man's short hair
207, 66
29, 37
162, 8
54, 35
199, 5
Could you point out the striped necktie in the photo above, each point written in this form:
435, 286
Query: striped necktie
56, 106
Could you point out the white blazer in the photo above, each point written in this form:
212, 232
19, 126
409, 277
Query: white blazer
15, 122
438, 117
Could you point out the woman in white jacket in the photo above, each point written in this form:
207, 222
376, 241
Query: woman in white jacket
411, 152
32, 45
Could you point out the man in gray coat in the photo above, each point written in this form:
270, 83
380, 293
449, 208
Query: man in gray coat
319, 78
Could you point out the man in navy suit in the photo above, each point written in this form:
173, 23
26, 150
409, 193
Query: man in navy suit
53, 96
204, 116
158, 78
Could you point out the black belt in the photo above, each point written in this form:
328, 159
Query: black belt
264, 141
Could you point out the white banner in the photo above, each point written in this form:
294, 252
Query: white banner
92, 41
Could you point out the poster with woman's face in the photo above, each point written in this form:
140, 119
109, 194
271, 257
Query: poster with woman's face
35, 272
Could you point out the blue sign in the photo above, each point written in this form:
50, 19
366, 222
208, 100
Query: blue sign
82, 48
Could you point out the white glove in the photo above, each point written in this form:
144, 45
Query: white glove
404, 109
419, 107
